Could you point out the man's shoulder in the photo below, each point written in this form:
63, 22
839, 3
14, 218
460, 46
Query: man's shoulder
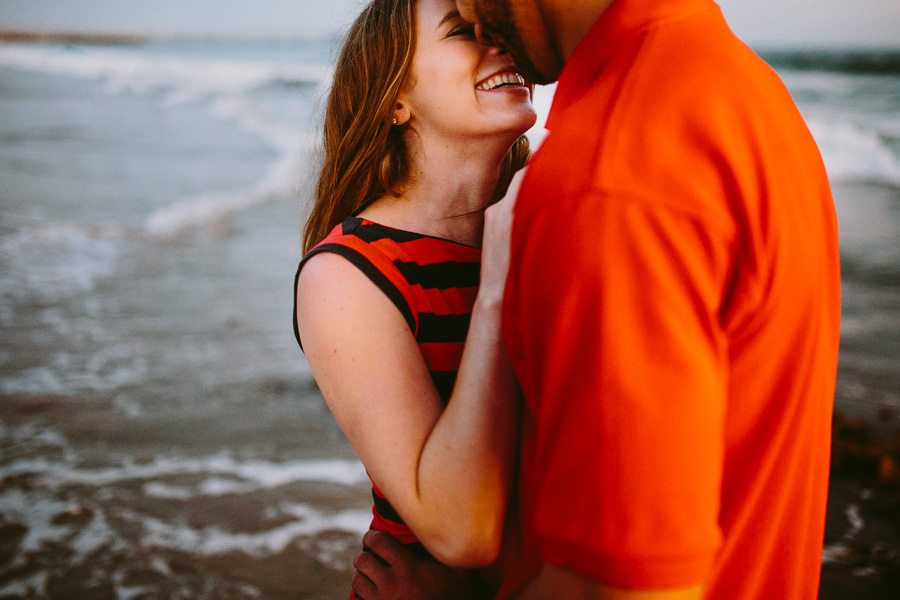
683, 111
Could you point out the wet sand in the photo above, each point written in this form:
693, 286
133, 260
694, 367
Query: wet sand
862, 528
161, 529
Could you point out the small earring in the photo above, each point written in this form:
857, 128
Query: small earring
395, 121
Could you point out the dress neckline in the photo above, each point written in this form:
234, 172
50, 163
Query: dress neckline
365, 221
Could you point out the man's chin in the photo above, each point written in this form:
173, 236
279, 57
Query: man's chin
498, 22
529, 71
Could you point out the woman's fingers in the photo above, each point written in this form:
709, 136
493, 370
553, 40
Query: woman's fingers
495, 248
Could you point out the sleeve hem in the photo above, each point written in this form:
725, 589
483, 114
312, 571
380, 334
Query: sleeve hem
370, 270
631, 572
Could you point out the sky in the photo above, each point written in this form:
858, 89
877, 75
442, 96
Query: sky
761, 23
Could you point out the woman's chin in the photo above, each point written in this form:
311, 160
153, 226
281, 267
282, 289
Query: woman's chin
518, 120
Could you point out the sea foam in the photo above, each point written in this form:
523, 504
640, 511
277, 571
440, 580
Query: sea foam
854, 153
280, 180
179, 79
223, 86
261, 474
58, 259
210, 541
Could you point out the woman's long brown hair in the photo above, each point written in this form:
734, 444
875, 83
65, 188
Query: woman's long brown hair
365, 156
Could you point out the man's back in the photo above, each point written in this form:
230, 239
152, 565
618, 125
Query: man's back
673, 314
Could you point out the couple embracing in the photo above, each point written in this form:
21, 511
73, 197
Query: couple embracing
609, 375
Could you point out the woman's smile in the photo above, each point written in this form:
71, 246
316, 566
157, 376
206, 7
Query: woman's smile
461, 86
502, 80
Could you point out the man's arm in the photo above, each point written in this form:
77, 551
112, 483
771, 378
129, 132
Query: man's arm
624, 361
553, 582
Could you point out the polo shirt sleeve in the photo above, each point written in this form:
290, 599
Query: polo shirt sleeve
613, 320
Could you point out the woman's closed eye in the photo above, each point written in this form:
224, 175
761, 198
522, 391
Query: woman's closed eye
464, 29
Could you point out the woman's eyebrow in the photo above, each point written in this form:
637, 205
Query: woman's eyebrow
453, 14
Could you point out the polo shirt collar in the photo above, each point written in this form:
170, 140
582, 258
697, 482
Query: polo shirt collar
618, 22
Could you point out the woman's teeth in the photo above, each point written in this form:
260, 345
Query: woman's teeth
501, 80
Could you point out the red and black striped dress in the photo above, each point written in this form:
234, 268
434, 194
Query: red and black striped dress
433, 283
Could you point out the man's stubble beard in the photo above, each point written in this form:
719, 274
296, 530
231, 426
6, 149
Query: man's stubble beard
497, 21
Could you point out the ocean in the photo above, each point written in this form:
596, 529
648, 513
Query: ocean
160, 433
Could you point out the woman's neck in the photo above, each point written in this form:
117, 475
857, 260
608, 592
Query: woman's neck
450, 186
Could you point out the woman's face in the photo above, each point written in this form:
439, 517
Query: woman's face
460, 87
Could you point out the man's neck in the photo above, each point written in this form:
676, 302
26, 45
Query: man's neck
568, 21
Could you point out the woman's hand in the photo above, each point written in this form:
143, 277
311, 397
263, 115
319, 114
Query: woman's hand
495, 247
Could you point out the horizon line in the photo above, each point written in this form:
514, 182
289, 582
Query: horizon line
130, 38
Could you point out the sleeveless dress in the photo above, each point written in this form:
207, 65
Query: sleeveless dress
433, 283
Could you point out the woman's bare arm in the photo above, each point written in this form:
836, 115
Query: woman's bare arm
446, 471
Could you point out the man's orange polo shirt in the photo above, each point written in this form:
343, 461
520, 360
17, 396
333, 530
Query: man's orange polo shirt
673, 314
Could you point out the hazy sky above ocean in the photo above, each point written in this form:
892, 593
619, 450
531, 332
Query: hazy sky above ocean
781, 23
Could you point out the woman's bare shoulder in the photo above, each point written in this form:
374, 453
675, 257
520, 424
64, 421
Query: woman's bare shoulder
335, 298
329, 278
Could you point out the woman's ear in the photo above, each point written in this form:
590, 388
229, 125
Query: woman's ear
401, 113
